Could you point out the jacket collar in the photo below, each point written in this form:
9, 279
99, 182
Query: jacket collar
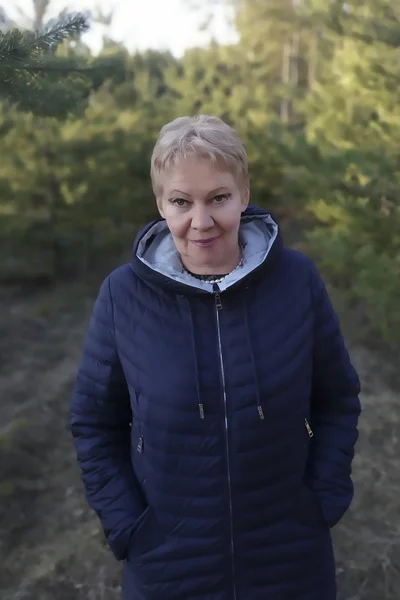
156, 260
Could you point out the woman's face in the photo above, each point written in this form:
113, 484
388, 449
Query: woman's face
202, 206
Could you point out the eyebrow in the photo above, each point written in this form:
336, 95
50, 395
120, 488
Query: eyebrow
218, 189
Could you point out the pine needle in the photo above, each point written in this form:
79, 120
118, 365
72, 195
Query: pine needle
16, 45
28, 58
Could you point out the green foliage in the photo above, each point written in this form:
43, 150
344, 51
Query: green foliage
353, 117
75, 183
311, 86
31, 73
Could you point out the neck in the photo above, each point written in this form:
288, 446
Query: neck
221, 269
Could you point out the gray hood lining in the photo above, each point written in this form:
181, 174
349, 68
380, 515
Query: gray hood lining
257, 233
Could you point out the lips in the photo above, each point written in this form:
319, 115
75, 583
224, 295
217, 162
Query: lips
205, 243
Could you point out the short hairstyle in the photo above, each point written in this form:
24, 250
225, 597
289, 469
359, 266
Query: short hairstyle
204, 136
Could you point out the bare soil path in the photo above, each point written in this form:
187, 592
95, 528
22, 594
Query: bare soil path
51, 547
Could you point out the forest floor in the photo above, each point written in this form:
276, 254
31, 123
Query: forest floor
51, 547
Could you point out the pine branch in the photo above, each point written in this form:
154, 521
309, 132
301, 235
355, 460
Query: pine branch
24, 50
374, 193
27, 59
381, 70
18, 46
367, 30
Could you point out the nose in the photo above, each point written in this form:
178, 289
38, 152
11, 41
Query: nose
202, 219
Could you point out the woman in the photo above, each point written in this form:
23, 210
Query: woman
215, 408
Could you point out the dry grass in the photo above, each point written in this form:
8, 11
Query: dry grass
51, 546
368, 539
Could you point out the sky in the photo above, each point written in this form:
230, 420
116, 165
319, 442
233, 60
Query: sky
142, 24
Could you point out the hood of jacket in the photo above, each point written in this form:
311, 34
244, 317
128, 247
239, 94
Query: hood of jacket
156, 259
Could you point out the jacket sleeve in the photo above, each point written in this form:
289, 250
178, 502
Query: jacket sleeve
335, 409
100, 425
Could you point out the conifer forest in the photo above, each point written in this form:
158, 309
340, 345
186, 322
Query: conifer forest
313, 88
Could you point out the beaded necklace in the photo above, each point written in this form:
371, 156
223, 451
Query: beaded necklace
217, 278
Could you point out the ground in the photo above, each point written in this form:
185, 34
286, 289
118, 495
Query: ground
51, 546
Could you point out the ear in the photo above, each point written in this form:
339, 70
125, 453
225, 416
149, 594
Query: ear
160, 207
246, 197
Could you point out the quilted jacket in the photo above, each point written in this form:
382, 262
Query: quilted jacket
215, 425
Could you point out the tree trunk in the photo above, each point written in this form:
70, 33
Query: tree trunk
54, 205
56, 248
40, 8
285, 78
295, 59
312, 59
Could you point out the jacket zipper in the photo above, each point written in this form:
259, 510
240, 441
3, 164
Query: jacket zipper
218, 308
309, 430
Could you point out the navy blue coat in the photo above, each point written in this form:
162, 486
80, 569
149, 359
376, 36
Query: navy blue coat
215, 427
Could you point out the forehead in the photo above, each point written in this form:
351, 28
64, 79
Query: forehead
197, 174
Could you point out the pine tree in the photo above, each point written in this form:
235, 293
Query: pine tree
274, 48
29, 63
353, 117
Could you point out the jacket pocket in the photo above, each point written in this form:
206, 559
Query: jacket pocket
137, 453
310, 510
146, 538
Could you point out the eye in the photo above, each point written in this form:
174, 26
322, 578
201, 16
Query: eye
221, 198
179, 202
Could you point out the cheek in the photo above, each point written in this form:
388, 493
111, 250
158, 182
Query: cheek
178, 226
230, 217
231, 223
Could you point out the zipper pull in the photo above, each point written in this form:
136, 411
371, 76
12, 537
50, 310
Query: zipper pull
309, 430
140, 445
218, 303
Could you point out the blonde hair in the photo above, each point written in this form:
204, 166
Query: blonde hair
204, 136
